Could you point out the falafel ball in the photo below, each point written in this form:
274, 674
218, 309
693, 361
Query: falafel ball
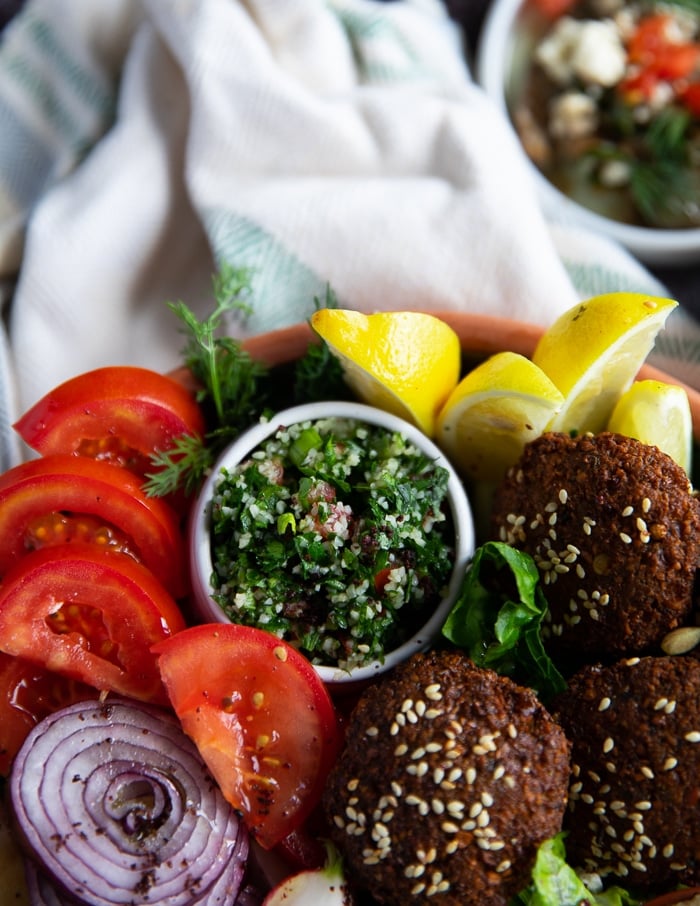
450, 778
614, 528
634, 798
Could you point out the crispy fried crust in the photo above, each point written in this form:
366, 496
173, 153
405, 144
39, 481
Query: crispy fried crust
635, 790
450, 779
615, 531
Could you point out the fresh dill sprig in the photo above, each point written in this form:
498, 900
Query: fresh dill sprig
229, 383
660, 181
234, 390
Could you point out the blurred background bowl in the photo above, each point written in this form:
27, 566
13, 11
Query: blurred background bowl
503, 56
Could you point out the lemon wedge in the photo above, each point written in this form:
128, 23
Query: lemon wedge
404, 362
493, 412
593, 352
657, 413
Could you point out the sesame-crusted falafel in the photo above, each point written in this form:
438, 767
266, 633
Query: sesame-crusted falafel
634, 800
450, 779
614, 528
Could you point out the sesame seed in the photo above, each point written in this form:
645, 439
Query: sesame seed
372, 731
693, 736
433, 692
608, 744
604, 704
563, 495
670, 763
353, 784
400, 749
660, 704
668, 850
647, 771
646, 505
628, 510
625, 538
449, 827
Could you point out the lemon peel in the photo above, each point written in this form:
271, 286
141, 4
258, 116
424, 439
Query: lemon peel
496, 409
593, 352
404, 362
657, 413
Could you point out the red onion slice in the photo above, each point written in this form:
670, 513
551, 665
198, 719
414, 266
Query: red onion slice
116, 804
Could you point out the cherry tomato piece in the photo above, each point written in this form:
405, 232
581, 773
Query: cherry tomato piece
121, 414
690, 98
261, 718
90, 615
33, 493
28, 693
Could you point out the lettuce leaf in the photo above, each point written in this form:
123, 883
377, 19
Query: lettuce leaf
498, 615
555, 883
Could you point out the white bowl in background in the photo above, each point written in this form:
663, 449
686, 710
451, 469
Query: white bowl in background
206, 608
497, 53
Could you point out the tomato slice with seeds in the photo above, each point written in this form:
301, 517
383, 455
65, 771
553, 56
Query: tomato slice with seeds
261, 718
28, 693
122, 414
36, 496
89, 615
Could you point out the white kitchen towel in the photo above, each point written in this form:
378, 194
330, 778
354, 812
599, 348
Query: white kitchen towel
335, 144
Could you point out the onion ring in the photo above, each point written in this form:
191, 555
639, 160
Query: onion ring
115, 803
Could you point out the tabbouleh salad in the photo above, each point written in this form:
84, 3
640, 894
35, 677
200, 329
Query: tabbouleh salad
326, 532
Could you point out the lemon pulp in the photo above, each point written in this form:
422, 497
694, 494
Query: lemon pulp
493, 412
404, 362
593, 352
657, 413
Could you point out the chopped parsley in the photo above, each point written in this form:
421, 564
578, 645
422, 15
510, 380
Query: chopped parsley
326, 532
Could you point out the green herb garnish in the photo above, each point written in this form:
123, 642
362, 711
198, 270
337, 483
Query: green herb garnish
234, 389
498, 615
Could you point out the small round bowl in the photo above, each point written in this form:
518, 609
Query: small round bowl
208, 610
502, 56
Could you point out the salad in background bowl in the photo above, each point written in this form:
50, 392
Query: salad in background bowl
604, 96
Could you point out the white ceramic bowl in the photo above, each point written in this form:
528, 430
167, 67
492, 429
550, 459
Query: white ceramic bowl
500, 56
208, 610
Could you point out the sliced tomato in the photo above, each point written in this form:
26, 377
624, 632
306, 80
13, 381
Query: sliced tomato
28, 693
261, 718
121, 414
90, 615
32, 493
